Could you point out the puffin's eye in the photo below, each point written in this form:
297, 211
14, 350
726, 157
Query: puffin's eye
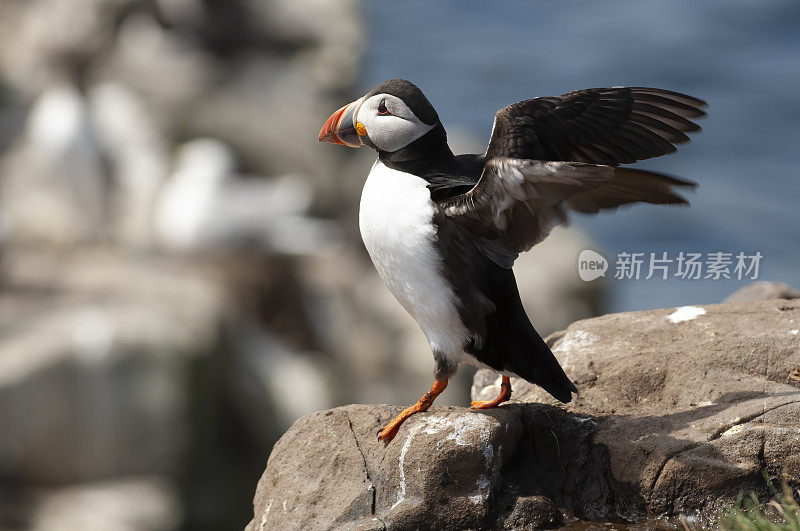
382, 110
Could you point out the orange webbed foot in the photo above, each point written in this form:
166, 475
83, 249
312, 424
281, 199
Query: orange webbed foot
504, 396
388, 433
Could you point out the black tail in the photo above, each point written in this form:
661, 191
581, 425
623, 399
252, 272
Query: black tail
631, 185
543, 369
512, 344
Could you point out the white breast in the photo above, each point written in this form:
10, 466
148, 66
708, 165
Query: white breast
396, 221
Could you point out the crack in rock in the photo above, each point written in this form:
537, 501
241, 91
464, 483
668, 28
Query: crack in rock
744, 420
366, 467
667, 459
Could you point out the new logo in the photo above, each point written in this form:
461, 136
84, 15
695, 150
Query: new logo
591, 265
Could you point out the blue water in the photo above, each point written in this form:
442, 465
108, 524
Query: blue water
472, 58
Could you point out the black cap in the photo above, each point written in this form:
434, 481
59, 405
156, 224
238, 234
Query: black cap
411, 96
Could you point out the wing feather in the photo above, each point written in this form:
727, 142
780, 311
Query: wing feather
517, 202
608, 126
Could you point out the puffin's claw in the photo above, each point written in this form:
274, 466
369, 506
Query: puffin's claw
387, 434
504, 396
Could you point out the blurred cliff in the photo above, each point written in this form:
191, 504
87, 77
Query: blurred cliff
180, 270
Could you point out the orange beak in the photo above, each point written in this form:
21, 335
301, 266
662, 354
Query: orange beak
340, 128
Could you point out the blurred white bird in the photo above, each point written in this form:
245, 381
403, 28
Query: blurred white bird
136, 148
206, 205
59, 131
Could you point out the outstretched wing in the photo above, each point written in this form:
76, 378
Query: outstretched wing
516, 203
609, 126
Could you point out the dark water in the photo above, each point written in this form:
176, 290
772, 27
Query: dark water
472, 58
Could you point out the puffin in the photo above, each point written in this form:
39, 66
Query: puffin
444, 230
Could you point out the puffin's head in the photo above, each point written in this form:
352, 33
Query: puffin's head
388, 118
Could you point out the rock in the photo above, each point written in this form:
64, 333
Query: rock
270, 113
680, 410
116, 82
114, 365
273, 384
256, 74
763, 291
125, 344
534, 512
690, 403
328, 45
53, 39
303, 496
332, 38
131, 504
331, 469
95, 365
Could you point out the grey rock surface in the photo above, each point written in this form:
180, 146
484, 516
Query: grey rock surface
680, 410
763, 291
330, 470
690, 403
103, 386
125, 504
115, 367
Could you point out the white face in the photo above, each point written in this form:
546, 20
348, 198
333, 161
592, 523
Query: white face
389, 122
